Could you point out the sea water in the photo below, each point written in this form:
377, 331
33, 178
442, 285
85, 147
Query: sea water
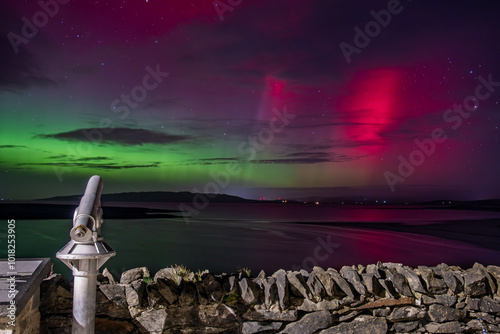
228, 237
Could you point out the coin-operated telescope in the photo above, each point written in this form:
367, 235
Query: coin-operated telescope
84, 254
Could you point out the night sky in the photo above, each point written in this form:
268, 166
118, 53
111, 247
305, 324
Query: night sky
289, 99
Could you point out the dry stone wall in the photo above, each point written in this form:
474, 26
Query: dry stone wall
378, 298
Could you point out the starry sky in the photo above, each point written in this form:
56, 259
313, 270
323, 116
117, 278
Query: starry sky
289, 99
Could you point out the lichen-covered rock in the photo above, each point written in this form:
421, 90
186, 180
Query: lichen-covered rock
153, 321
298, 285
134, 274
374, 269
331, 288
405, 327
111, 301
406, 313
115, 293
167, 274
324, 305
252, 327
434, 284
491, 319
133, 297
56, 295
447, 327
474, 325
352, 277
452, 282
387, 302
268, 286
494, 271
364, 324
446, 300
399, 282
381, 312
249, 291
475, 284
392, 265
388, 286
345, 288
472, 304
282, 288
229, 283
491, 287
217, 315
349, 315
189, 294
310, 323
188, 319
441, 313
489, 305
314, 284
372, 284
135, 294
213, 288
270, 315
154, 296
168, 289
108, 277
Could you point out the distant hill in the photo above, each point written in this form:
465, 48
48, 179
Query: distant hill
29, 210
189, 197
156, 196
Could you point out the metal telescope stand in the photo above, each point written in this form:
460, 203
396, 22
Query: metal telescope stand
84, 254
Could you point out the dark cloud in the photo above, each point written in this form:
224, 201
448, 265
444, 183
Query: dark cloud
291, 158
12, 146
123, 136
305, 161
100, 163
308, 158
209, 161
110, 166
74, 159
308, 155
94, 159
219, 159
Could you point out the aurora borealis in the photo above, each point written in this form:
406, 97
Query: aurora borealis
169, 95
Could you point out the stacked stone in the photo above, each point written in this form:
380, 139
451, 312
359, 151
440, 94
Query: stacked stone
378, 298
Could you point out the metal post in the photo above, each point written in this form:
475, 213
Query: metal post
84, 297
84, 254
